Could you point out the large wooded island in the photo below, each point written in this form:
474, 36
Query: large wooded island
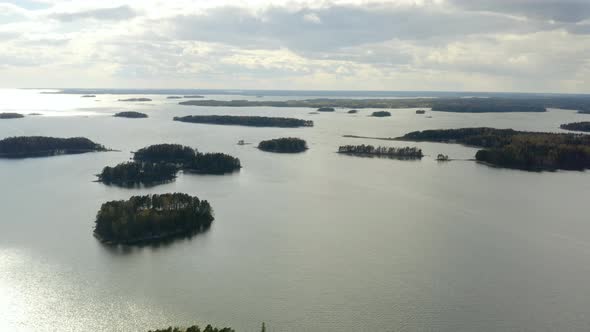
40, 146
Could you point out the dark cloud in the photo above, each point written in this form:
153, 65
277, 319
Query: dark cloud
103, 14
558, 10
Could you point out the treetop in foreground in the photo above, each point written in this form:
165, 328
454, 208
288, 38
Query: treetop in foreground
283, 145
38, 146
516, 149
151, 218
131, 114
253, 121
577, 126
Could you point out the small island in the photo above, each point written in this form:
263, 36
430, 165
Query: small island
196, 328
88, 96
189, 159
150, 218
531, 151
131, 115
40, 146
420, 112
577, 126
11, 116
381, 151
252, 121
135, 99
326, 109
353, 111
134, 173
174, 97
193, 97
35, 114
380, 114
283, 145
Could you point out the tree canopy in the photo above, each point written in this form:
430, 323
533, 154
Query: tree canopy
405, 152
134, 172
32, 146
577, 126
283, 145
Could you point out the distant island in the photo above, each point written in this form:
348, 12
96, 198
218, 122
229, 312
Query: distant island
534, 151
135, 99
131, 114
353, 111
577, 126
152, 218
188, 159
381, 151
40, 146
195, 328
326, 109
283, 145
381, 114
11, 116
35, 114
461, 105
253, 121
174, 97
420, 112
134, 173
88, 96
193, 97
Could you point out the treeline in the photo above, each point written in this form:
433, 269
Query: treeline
172, 153
32, 146
517, 149
150, 218
283, 145
11, 116
326, 109
577, 126
134, 172
253, 121
405, 152
131, 114
135, 99
486, 105
195, 328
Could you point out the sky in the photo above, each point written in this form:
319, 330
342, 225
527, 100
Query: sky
408, 45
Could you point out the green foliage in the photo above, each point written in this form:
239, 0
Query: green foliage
381, 114
170, 153
130, 114
212, 163
149, 218
406, 152
11, 116
283, 145
577, 126
131, 173
516, 149
253, 121
30, 146
195, 328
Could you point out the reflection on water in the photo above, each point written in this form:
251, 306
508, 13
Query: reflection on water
305, 242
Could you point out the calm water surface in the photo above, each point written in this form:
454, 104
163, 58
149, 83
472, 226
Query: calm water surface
309, 242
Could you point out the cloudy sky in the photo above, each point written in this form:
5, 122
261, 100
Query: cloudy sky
447, 45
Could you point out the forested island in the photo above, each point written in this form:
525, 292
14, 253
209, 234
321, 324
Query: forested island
88, 96
195, 328
193, 97
516, 149
577, 126
40, 146
283, 145
131, 114
152, 218
134, 173
11, 116
463, 105
381, 151
380, 114
174, 97
326, 109
353, 111
253, 121
135, 99
188, 159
